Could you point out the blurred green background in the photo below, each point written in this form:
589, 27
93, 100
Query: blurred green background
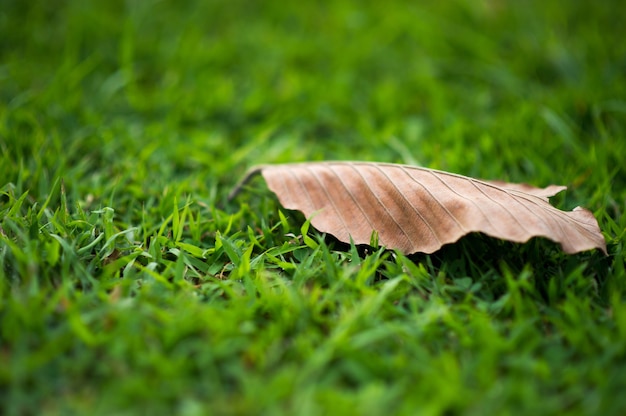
488, 88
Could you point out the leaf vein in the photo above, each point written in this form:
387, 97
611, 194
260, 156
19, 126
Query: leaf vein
382, 204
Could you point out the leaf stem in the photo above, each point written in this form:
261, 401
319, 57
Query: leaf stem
251, 173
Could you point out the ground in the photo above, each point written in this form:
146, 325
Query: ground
130, 285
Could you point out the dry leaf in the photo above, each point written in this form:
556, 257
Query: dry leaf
419, 210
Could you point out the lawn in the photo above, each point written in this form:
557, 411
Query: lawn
129, 284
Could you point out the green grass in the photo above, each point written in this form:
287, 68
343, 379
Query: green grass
128, 285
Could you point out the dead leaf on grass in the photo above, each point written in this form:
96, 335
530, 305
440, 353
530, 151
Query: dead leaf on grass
415, 209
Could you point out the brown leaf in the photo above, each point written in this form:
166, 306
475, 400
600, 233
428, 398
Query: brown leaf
419, 210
